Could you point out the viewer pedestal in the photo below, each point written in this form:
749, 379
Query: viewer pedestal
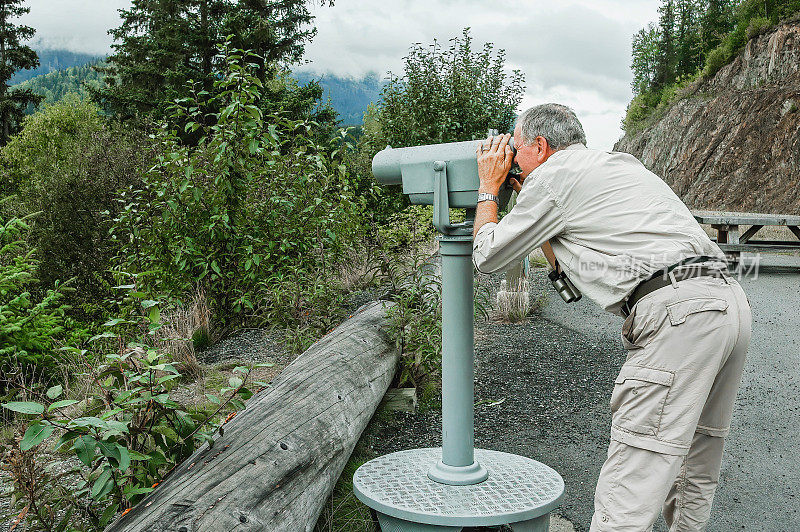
518, 491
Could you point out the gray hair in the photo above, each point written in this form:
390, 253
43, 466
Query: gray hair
555, 122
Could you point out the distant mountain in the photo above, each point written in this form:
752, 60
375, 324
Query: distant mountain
52, 60
62, 72
58, 83
350, 97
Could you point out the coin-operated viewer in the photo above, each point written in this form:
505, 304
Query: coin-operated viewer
626, 241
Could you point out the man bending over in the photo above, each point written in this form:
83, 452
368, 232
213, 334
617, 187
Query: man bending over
627, 241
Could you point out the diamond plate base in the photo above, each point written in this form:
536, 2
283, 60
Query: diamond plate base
518, 489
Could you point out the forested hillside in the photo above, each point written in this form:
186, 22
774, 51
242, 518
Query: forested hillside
57, 84
349, 96
53, 80
691, 42
51, 60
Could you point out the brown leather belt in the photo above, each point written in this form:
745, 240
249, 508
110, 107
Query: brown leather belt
661, 279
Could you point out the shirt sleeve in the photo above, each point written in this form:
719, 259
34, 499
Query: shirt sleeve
534, 219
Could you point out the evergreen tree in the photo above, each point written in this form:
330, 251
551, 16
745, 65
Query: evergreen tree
14, 56
665, 69
688, 49
644, 58
277, 30
715, 23
773, 10
162, 44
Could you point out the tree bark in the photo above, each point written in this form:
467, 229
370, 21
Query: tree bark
280, 457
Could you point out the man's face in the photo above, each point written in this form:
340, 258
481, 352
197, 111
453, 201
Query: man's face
528, 156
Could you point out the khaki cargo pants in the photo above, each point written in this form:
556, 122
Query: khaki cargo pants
671, 405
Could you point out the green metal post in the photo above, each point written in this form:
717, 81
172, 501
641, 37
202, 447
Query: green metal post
458, 465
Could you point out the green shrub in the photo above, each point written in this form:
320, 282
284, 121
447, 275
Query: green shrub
380, 202
257, 212
758, 26
407, 267
447, 95
638, 111
29, 326
651, 104
134, 433
48, 142
407, 230
716, 59
675, 91
68, 164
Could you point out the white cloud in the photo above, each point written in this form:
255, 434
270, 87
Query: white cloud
77, 25
576, 52
573, 51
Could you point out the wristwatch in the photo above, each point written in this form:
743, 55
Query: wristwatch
485, 196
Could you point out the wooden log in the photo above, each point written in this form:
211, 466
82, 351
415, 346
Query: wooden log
400, 400
280, 457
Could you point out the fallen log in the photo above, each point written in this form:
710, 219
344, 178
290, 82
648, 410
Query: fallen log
279, 459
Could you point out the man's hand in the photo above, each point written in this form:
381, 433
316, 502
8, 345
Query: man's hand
495, 158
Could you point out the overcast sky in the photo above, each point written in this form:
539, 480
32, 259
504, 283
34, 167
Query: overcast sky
575, 52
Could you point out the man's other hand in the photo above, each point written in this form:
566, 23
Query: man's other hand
495, 158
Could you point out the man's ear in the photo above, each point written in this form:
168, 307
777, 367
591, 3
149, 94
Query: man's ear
542, 153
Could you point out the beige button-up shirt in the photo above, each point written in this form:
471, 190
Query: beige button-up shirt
610, 220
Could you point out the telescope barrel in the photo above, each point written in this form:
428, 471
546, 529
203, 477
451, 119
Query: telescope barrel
388, 163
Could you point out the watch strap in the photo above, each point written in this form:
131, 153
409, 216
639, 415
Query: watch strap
485, 196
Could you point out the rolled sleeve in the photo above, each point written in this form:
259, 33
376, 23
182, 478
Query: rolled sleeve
534, 219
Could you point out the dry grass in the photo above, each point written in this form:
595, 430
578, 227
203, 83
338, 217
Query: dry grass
357, 271
343, 512
184, 328
513, 305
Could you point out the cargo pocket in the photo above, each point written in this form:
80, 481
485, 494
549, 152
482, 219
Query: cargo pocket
637, 401
680, 310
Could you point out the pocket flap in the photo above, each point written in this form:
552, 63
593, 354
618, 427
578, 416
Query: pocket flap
642, 373
678, 311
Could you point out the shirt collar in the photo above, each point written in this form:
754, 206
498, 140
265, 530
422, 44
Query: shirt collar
576, 146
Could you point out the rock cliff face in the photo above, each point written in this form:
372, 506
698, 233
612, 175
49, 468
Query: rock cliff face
734, 142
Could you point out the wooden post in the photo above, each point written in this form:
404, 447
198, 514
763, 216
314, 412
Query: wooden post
729, 234
280, 457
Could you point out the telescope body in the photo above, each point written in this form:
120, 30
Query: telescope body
413, 168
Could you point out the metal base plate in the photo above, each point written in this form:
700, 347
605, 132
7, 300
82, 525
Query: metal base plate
518, 489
